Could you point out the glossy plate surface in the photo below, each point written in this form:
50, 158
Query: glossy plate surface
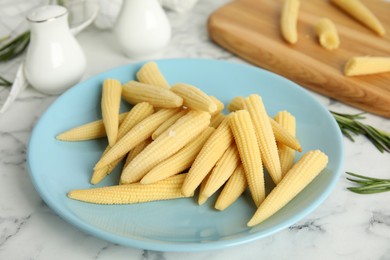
178, 225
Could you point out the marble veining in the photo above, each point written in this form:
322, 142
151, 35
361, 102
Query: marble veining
310, 225
379, 224
345, 226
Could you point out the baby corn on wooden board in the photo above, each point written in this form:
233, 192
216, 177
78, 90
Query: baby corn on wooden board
251, 30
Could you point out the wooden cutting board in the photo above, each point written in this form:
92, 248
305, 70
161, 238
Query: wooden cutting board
250, 29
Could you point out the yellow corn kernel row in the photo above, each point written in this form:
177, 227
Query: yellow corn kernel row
237, 103
138, 113
286, 154
194, 98
366, 65
178, 162
295, 180
164, 126
360, 12
281, 135
233, 189
201, 197
88, 131
289, 20
218, 103
216, 119
99, 174
223, 169
110, 104
210, 153
284, 137
132, 193
265, 136
136, 150
136, 135
168, 143
150, 74
327, 34
135, 92
248, 148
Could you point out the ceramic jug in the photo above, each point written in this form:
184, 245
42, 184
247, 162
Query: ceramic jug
54, 60
142, 28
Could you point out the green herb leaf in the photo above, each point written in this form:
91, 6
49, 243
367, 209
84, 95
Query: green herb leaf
350, 125
4, 82
368, 185
14, 47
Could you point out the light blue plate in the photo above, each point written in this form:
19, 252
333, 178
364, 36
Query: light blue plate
177, 225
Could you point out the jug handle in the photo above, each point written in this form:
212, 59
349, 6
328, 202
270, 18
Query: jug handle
77, 29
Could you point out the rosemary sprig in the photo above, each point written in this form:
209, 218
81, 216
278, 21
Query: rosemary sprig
15, 47
4, 82
368, 185
350, 125
4, 38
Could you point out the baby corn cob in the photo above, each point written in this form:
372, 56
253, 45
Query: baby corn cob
99, 174
223, 169
136, 135
286, 154
296, 179
265, 136
201, 197
281, 135
233, 189
289, 20
132, 193
111, 98
361, 13
168, 143
164, 126
327, 34
194, 98
366, 65
248, 148
284, 137
216, 119
218, 103
136, 150
89, 131
236, 103
210, 153
135, 92
136, 115
179, 161
151, 74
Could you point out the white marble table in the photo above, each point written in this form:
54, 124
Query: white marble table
345, 226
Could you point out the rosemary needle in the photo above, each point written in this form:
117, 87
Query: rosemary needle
368, 185
350, 125
14, 47
4, 82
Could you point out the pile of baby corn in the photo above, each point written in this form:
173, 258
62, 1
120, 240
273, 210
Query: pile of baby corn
328, 36
176, 139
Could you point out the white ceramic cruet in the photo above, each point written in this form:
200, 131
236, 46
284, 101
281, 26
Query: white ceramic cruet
54, 60
142, 28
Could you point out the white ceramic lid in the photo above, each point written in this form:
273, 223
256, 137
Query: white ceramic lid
46, 13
